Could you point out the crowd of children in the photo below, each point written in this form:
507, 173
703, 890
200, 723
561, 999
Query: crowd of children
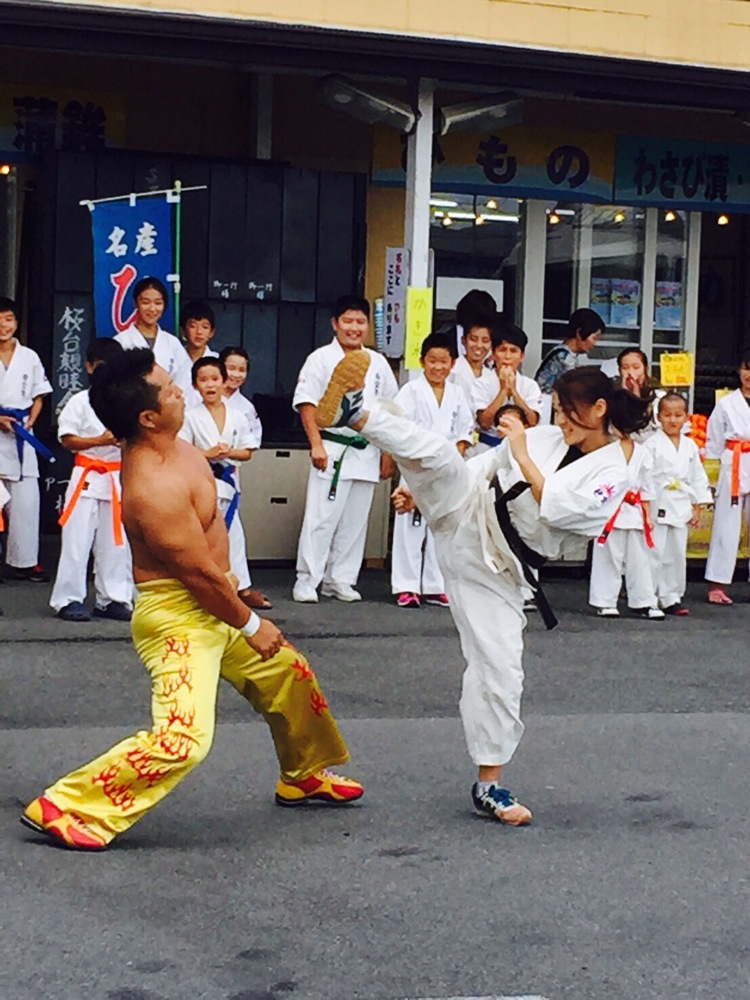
471, 379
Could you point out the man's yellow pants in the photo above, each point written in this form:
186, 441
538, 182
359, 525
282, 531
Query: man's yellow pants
186, 650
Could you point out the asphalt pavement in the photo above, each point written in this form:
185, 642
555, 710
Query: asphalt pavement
631, 883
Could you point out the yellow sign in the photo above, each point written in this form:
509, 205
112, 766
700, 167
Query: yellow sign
418, 323
677, 369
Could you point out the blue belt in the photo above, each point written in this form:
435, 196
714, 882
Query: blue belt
226, 474
490, 439
24, 436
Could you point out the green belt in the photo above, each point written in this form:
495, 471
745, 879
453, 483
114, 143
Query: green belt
349, 441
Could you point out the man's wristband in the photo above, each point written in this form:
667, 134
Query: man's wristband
252, 625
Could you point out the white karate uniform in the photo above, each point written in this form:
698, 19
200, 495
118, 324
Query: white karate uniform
246, 408
625, 550
168, 351
200, 429
414, 566
679, 481
485, 389
192, 396
20, 383
463, 375
91, 521
483, 579
332, 539
730, 421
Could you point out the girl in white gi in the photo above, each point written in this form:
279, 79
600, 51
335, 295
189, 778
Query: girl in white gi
538, 486
91, 516
345, 468
728, 439
503, 385
221, 433
433, 402
23, 386
151, 298
680, 486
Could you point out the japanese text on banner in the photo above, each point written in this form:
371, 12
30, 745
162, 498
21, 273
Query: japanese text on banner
418, 323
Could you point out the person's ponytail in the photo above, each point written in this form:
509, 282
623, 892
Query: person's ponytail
583, 386
627, 412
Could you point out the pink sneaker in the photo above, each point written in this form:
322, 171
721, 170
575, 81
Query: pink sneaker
441, 600
407, 600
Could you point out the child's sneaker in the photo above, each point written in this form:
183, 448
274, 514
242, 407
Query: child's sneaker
499, 803
650, 614
439, 600
343, 396
607, 613
407, 600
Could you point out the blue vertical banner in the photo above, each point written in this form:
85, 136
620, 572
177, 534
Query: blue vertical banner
132, 240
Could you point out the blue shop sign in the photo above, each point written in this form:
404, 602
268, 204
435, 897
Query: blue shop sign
682, 173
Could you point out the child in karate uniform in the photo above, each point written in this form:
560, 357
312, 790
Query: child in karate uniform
434, 402
150, 298
728, 439
91, 515
680, 486
197, 328
221, 433
23, 386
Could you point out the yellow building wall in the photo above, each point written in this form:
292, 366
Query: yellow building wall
710, 32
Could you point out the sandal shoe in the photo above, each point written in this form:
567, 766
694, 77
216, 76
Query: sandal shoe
717, 596
76, 611
254, 599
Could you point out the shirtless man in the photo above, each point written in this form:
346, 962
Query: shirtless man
190, 628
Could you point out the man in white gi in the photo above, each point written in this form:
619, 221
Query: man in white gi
151, 298
345, 467
491, 516
728, 438
92, 515
23, 386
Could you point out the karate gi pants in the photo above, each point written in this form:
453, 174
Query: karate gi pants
414, 565
237, 547
90, 526
22, 513
725, 532
186, 650
669, 557
332, 541
624, 552
487, 607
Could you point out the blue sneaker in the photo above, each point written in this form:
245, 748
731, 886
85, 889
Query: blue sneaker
499, 803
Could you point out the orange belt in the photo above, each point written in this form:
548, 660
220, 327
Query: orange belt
737, 448
634, 498
97, 465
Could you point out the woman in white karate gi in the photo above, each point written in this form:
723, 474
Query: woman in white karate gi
151, 298
540, 485
728, 438
680, 486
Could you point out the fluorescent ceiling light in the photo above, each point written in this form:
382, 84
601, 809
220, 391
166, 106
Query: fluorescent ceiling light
443, 203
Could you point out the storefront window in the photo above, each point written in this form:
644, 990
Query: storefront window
669, 292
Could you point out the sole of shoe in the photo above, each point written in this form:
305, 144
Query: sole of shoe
523, 820
312, 801
349, 374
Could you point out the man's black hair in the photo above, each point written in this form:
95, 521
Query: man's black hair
103, 349
476, 308
501, 330
143, 286
197, 309
584, 322
208, 363
9, 306
119, 392
446, 341
347, 302
227, 352
744, 357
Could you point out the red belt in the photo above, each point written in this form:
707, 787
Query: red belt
634, 498
737, 448
108, 468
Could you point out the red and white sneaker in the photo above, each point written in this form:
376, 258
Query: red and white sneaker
408, 600
439, 600
62, 828
323, 786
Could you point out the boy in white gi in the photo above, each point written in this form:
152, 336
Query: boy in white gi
345, 468
503, 385
490, 515
680, 486
198, 327
625, 546
433, 402
91, 516
222, 434
151, 298
23, 386
728, 438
